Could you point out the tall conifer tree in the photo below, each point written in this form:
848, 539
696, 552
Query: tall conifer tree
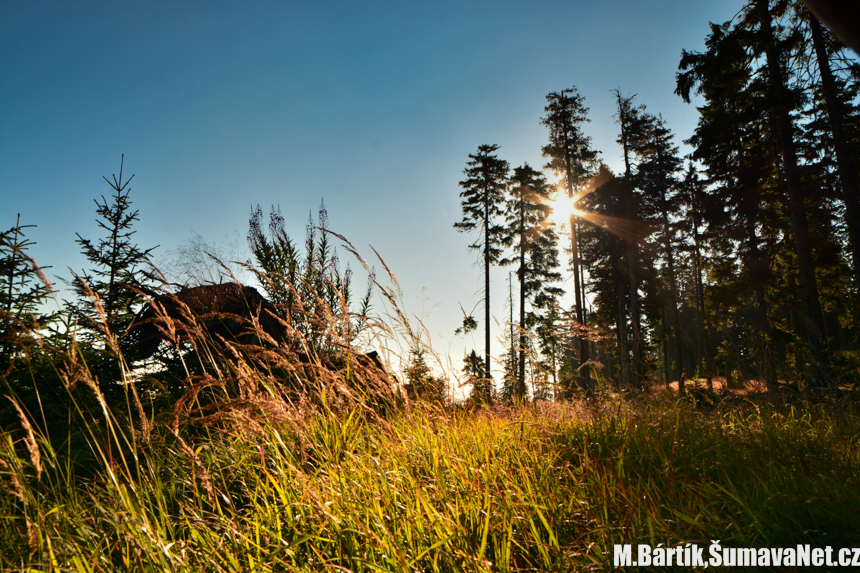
23, 289
731, 142
483, 198
607, 251
570, 155
535, 251
633, 135
780, 114
836, 111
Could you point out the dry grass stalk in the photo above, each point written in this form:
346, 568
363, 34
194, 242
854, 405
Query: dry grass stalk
110, 338
14, 487
30, 440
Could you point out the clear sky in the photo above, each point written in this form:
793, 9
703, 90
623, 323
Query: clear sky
371, 106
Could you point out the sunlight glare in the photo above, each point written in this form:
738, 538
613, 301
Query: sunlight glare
562, 209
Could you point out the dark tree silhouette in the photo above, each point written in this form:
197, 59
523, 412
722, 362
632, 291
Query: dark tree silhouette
483, 198
781, 115
421, 383
607, 251
841, 16
483, 391
691, 196
23, 289
732, 141
835, 117
571, 156
634, 132
535, 252
106, 303
306, 288
656, 177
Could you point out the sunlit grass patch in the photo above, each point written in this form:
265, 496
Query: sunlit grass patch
428, 490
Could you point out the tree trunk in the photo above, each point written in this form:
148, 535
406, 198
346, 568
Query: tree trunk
847, 177
521, 378
759, 272
621, 331
487, 286
673, 285
583, 351
514, 364
635, 320
574, 255
632, 254
700, 300
579, 288
667, 359
811, 306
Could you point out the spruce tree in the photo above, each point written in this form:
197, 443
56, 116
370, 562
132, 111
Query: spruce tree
656, 176
550, 344
483, 199
421, 383
510, 368
535, 246
308, 289
731, 141
693, 200
570, 155
780, 114
836, 118
633, 124
483, 391
107, 295
608, 252
23, 289
752, 148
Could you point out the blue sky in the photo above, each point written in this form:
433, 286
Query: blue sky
372, 106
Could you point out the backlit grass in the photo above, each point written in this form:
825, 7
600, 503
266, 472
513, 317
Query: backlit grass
505, 490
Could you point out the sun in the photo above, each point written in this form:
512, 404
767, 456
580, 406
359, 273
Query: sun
562, 208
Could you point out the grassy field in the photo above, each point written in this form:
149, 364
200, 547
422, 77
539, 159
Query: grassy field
542, 488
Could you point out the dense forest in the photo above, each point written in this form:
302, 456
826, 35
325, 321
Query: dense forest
697, 380
735, 262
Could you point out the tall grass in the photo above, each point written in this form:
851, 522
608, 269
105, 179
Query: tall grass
267, 465
504, 490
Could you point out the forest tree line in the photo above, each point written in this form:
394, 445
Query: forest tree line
737, 261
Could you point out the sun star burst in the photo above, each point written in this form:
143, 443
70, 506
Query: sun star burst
563, 207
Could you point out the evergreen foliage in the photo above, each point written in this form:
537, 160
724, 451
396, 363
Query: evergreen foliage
109, 293
572, 158
773, 299
483, 199
535, 252
738, 265
421, 383
482, 389
23, 290
606, 251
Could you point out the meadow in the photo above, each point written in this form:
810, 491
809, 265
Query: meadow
262, 485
